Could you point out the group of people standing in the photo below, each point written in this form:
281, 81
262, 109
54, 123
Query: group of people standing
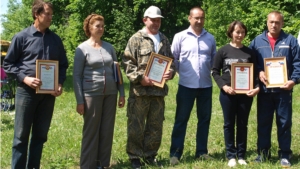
195, 60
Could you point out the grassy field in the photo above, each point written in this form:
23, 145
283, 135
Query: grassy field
62, 150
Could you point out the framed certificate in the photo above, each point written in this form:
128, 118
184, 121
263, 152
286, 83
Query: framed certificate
156, 68
242, 77
275, 71
47, 72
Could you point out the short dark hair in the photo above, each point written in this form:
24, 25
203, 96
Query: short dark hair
196, 7
38, 7
231, 28
89, 20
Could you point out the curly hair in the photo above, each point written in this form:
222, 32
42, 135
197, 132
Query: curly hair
38, 7
90, 20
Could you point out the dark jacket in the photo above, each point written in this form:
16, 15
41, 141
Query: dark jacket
29, 45
285, 46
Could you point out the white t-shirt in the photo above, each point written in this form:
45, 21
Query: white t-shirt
156, 40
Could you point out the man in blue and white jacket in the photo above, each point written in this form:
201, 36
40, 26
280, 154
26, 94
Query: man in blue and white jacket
276, 43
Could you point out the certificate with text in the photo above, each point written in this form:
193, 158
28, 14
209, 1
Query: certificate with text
242, 77
47, 72
275, 71
156, 68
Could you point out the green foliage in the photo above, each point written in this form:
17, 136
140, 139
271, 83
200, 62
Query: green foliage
17, 18
124, 17
122, 27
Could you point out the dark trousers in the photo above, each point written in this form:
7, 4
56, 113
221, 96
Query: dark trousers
33, 114
281, 103
144, 126
98, 130
236, 109
185, 99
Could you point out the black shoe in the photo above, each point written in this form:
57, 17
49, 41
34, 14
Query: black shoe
136, 163
258, 159
261, 158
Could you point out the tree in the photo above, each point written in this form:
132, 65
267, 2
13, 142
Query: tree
17, 18
124, 17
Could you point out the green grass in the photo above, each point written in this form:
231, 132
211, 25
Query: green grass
62, 150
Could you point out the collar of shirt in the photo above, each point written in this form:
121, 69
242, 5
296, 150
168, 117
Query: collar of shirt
145, 34
33, 30
190, 31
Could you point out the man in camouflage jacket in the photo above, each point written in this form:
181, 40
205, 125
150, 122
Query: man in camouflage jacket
145, 110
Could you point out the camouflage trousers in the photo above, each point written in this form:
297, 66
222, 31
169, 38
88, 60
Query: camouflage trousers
144, 126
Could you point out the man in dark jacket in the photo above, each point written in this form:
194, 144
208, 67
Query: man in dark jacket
33, 111
271, 44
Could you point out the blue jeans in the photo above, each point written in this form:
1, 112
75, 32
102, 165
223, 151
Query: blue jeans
281, 103
33, 113
236, 109
185, 101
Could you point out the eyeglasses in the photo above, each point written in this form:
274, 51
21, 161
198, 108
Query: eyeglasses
199, 18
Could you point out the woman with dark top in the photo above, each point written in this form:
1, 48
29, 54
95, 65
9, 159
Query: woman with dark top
236, 107
96, 94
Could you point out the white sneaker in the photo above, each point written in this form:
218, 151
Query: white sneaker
285, 163
174, 161
232, 162
242, 162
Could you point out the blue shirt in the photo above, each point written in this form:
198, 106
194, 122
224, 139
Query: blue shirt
193, 57
29, 45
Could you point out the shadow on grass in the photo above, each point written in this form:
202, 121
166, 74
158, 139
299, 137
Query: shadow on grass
295, 159
120, 164
66, 162
188, 158
274, 160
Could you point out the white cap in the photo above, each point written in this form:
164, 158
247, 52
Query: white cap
153, 12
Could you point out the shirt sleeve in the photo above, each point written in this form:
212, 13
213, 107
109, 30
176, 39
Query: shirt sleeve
78, 68
296, 62
63, 63
170, 54
255, 76
11, 61
252, 47
130, 61
176, 49
213, 51
217, 67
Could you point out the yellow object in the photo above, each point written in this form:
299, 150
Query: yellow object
4, 47
4, 44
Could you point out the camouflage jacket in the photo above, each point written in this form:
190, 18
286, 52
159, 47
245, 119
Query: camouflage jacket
136, 55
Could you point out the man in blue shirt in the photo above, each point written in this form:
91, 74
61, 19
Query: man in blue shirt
193, 50
33, 111
271, 44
